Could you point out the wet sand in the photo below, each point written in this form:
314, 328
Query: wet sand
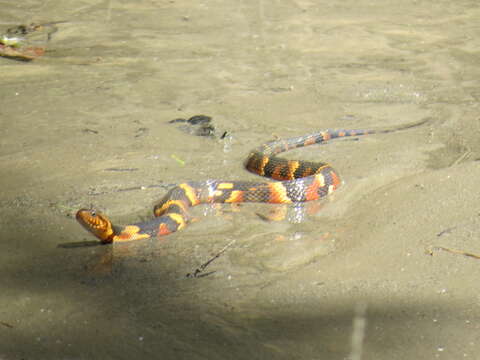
363, 278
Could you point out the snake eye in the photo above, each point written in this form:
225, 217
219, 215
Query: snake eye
93, 213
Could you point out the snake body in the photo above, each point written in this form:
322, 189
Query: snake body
296, 181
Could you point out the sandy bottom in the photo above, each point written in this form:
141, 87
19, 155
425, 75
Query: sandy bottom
377, 273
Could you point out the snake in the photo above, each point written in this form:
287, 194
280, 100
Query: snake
294, 181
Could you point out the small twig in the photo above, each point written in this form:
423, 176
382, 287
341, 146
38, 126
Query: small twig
178, 160
199, 270
90, 131
6, 324
430, 250
446, 231
462, 157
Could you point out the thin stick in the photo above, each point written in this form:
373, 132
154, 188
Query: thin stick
462, 157
453, 251
202, 267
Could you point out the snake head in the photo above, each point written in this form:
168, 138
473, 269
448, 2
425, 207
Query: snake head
97, 223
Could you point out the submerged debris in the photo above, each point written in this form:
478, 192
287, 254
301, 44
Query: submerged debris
198, 125
6, 324
27, 42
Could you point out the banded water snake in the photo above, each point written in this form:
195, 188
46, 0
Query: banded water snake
297, 181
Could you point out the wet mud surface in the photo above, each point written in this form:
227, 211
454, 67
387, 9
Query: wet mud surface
363, 275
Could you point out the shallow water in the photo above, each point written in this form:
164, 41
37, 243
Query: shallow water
100, 99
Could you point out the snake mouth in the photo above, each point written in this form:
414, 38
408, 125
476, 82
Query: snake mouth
97, 224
